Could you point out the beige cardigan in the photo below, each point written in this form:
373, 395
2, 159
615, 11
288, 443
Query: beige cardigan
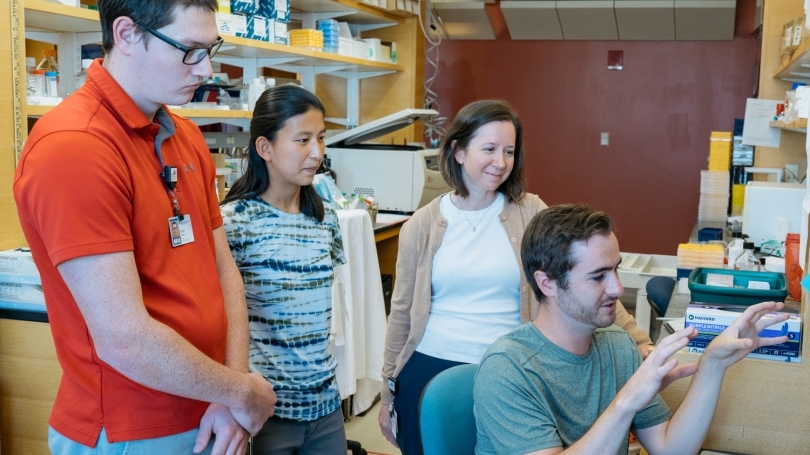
419, 240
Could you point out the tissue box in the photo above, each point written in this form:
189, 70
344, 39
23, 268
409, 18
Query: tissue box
275, 9
17, 266
346, 46
392, 45
375, 52
256, 28
362, 49
711, 320
231, 24
246, 7
22, 292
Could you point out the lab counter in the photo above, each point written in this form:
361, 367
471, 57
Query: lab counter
764, 406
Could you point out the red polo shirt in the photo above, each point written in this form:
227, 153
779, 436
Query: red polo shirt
88, 184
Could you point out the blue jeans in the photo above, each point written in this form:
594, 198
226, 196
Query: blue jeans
181, 443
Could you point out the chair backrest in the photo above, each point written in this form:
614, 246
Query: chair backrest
446, 419
659, 290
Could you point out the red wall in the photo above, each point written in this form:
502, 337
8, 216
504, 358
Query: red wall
659, 111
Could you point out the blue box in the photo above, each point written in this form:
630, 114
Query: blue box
278, 32
278, 10
258, 28
245, 7
707, 234
711, 320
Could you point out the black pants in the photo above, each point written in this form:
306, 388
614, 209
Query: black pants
413, 378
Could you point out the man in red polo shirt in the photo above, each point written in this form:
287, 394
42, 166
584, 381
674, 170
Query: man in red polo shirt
150, 323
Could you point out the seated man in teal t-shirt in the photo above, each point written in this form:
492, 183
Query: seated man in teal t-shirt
571, 382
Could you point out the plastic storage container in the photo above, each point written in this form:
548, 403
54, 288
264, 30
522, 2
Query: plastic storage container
701, 292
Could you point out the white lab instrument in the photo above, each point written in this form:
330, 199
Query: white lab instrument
401, 178
765, 203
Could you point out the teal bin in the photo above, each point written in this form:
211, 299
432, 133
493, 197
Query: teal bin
739, 294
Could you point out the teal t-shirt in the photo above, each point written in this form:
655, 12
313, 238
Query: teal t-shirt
531, 394
287, 264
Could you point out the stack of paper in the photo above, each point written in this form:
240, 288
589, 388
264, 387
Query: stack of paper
714, 195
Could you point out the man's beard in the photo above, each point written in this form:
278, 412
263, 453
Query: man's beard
587, 314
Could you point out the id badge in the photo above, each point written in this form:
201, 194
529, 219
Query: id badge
394, 424
180, 230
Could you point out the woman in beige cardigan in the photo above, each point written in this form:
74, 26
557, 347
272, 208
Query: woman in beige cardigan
459, 283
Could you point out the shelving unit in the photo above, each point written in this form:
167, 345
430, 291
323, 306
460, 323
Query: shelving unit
71, 27
789, 127
797, 69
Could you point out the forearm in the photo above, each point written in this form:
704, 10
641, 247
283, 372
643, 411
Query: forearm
628, 323
689, 425
608, 433
157, 357
236, 355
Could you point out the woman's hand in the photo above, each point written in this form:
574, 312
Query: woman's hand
385, 424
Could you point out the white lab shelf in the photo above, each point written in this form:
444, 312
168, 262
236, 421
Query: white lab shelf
636, 270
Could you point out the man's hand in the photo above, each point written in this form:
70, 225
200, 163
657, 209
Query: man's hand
657, 371
231, 438
742, 336
258, 405
385, 425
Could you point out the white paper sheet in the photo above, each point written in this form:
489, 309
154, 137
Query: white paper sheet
757, 131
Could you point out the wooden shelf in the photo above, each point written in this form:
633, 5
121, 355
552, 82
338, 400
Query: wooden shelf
797, 69
44, 15
37, 110
243, 47
51, 16
363, 13
792, 126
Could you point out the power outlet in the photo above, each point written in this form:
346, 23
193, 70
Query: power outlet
792, 173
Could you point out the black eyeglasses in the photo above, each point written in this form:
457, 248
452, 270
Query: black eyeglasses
193, 55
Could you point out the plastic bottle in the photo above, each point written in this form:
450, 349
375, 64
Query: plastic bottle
81, 76
30, 82
747, 260
255, 90
48, 62
39, 82
51, 89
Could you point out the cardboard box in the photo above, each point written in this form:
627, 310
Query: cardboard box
257, 28
362, 49
21, 292
392, 45
231, 24
224, 6
346, 46
374, 47
711, 320
17, 266
279, 30
244, 7
278, 10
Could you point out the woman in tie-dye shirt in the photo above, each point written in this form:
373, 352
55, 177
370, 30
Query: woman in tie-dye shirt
286, 242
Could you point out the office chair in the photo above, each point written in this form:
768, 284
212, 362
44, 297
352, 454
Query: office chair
659, 291
446, 420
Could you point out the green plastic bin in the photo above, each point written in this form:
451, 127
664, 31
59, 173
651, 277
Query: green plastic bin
701, 292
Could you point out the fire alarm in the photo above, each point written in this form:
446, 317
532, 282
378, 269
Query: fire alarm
615, 60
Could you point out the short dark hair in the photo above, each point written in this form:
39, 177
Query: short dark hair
152, 14
547, 241
464, 128
273, 108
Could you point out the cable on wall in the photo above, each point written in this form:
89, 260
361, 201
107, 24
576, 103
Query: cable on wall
430, 29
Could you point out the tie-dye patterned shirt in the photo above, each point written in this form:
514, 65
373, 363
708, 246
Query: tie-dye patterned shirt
286, 261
